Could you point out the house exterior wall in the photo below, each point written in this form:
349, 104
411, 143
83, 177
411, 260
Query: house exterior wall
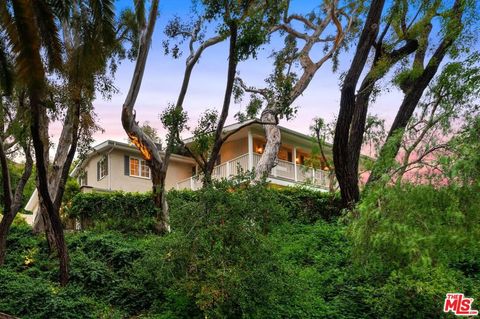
233, 149
123, 182
117, 180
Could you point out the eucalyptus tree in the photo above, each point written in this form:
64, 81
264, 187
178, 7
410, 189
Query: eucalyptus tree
331, 26
458, 28
402, 34
249, 26
228, 16
173, 117
88, 41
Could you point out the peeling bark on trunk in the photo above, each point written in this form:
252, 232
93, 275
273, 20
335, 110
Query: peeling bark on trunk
268, 160
160, 200
40, 145
271, 112
149, 150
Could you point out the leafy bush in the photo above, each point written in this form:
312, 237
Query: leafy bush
126, 212
308, 206
419, 243
135, 212
218, 262
414, 225
252, 252
26, 297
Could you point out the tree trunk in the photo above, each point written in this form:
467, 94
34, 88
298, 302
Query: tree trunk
43, 224
149, 150
160, 200
268, 160
38, 131
5, 224
219, 140
331, 182
12, 202
347, 179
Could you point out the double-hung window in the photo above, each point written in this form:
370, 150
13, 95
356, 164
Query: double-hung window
102, 168
139, 168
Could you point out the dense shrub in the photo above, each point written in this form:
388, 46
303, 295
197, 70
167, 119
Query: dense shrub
218, 262
126, 212
135, 212
27, 297
418, 225
420, 243
307, 205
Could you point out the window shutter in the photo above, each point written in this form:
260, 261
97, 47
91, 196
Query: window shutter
98, 170
126, 166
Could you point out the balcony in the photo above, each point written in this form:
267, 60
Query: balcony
284, 173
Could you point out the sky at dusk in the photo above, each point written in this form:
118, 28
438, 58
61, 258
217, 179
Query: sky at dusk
163, 76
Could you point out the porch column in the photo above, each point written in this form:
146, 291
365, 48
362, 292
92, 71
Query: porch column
295, 162
250, 150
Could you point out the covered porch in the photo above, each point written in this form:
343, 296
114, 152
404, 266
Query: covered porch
293, 165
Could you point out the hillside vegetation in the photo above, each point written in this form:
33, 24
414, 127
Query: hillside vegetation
253, 252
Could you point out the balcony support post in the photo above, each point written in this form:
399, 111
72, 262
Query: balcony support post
295, 163
250, 150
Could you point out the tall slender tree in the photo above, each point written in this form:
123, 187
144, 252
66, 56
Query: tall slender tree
248, 24
30, 26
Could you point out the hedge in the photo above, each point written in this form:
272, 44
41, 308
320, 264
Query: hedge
128, 212
135, 212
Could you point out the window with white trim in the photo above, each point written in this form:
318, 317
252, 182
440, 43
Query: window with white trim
102, 167
139, 168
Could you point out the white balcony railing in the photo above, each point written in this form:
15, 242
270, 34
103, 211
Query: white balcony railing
284, 170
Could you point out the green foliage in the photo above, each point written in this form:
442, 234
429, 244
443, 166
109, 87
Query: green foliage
240, 250
27, 297
135, 212
127, 212
16, 171
419, 243
463, 166
416, 225
217, 261
308, 206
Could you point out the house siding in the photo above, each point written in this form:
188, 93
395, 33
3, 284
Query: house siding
117, 180
233, 149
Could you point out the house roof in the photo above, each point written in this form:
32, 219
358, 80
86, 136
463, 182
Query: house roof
283, 129
109, 145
